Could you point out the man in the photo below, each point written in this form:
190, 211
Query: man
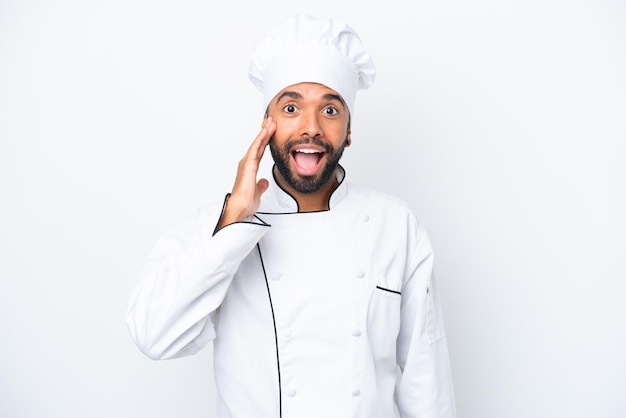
318, 294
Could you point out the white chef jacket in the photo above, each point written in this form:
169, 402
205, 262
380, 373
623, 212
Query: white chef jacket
330, 314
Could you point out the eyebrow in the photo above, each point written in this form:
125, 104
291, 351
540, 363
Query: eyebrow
296, 95
330, 96
292, 94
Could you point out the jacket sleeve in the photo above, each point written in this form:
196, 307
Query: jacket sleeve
184, 281
425, 388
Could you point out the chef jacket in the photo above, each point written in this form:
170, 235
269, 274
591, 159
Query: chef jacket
330, 314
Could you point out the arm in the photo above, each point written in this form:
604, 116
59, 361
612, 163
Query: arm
425, 388
189, 271
184, 281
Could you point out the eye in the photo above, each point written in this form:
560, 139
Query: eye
290, 108
330, 110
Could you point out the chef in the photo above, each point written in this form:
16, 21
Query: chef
317, 293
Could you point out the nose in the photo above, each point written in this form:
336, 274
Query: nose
309, 125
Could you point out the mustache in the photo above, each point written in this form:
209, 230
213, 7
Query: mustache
307, 140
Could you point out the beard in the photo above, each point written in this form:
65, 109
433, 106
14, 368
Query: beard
306, 184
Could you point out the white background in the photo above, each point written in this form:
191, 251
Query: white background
503, 124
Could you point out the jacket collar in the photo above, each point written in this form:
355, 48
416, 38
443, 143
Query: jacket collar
277, 200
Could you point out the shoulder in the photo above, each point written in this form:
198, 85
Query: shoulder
392, 220
387, 205
360, 194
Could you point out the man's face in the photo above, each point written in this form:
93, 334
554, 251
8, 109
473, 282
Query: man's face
312, 130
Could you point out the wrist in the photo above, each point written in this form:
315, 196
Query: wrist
233, 212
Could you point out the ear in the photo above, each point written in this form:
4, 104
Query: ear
349, 138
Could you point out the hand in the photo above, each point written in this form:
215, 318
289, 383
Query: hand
245, 198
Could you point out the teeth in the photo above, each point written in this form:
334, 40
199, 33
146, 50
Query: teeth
309, 151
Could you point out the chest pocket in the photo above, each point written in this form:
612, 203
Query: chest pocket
383, 323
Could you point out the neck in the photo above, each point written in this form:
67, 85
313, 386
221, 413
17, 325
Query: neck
309, 202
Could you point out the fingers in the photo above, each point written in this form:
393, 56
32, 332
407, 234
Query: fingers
245, 197
262, 139
249, 164
261, 186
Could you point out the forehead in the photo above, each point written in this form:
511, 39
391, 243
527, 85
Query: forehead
308, 91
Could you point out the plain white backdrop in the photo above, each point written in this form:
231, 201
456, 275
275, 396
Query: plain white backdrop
502, 123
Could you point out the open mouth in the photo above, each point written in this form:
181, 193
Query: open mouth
307, 160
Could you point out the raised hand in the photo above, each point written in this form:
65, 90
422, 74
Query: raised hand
245, 197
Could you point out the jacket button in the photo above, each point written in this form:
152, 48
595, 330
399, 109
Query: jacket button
356, 332
277, 276
356, 392
288, 333
360, 274
291, 393
365, 217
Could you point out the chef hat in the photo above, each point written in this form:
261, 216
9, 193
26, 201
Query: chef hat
304, 48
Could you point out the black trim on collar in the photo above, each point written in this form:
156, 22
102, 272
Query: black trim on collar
286, 192
339, 183
292, 213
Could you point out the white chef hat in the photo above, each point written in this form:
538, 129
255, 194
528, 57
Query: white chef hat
305, 48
